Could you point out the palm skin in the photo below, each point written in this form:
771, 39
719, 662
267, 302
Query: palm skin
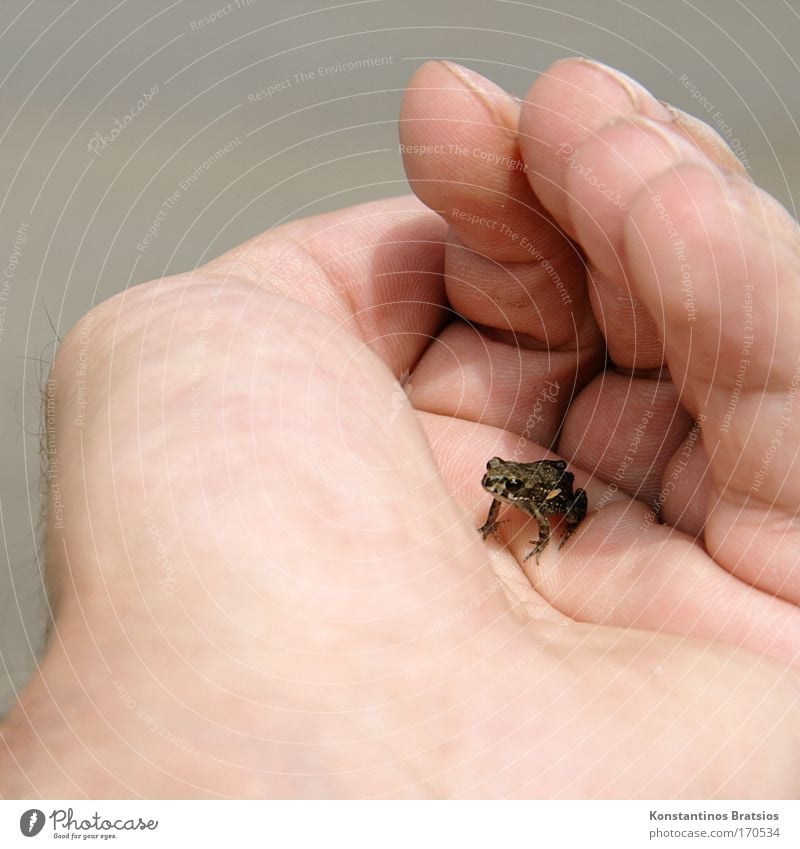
283, 566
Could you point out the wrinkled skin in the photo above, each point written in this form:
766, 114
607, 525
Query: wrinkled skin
268, 582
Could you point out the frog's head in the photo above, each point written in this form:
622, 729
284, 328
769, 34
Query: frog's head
502, 479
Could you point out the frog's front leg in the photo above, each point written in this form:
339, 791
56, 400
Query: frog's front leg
544, 534
491, 523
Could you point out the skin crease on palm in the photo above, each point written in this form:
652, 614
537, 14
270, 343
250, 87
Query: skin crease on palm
269, 581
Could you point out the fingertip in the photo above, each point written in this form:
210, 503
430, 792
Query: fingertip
442, 90
605, 175
423, 78
460, 152
716, 277
709, 141
606, 93
567, 104
502, 106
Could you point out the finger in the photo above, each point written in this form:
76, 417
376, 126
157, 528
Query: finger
376, 268
708, 141
496, 374
530, 298
458, 135
568, 105
461, 154
626, 324
629, 157
466, 374
730, 326
625, 430
565, 111
623, 568
609, 170
685, 487
507, 267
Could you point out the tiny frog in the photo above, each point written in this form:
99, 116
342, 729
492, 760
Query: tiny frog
540, 489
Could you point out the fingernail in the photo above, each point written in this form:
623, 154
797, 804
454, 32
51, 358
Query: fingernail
708, 141
641, 99
679, 146
504, 107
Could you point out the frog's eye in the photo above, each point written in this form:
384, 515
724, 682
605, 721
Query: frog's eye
514, 484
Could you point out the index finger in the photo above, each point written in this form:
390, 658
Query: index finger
508, 265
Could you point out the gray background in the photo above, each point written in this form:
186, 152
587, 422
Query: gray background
69, 69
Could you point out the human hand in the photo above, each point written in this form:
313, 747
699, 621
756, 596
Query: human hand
268, 581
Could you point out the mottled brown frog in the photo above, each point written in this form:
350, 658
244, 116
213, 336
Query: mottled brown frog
540, 489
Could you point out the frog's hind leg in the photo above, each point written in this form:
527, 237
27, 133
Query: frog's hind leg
575, 515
